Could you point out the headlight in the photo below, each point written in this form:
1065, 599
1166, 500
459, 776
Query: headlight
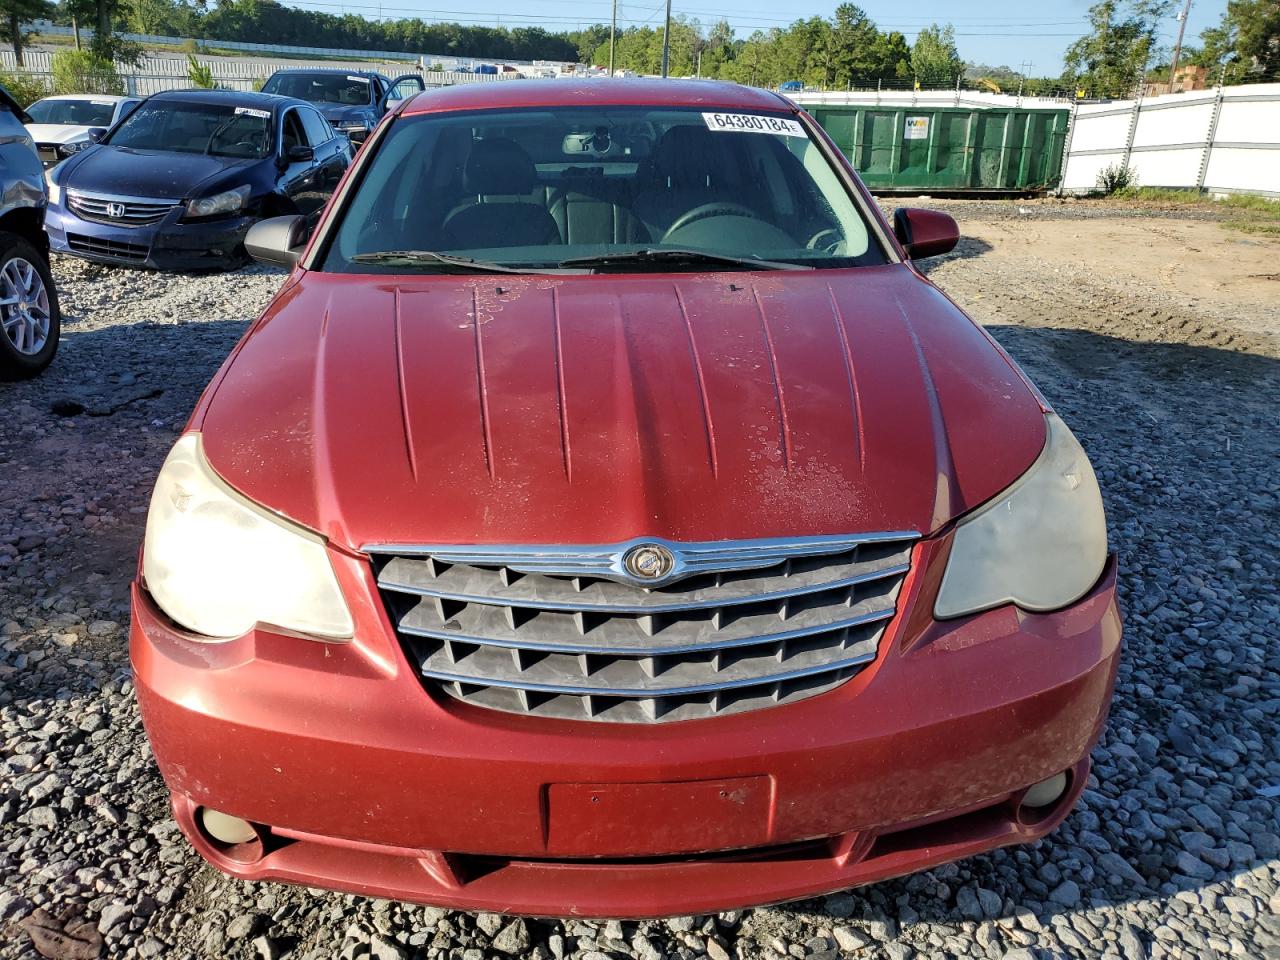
74, 146
351, 126
1041, 544
218, 564
55, 191
227, 202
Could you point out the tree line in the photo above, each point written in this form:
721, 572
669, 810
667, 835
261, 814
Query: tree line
846, 50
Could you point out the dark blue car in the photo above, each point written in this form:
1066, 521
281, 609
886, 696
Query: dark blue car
352, 100
177, 184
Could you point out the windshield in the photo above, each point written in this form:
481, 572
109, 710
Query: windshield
609, 185
219, 130
348, 90
80, 113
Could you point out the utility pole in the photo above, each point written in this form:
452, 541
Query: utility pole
666, 41
1026, 67
1177, 47
613, 35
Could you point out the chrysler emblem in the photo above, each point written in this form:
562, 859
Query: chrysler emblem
648, 561
115, 210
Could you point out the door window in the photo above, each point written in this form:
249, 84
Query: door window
316, 126
294, 134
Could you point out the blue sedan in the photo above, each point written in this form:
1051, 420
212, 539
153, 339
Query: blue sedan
177, 184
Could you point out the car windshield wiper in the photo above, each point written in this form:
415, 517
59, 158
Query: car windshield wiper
407, 258
659, 257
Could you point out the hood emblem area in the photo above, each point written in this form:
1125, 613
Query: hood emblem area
649, 562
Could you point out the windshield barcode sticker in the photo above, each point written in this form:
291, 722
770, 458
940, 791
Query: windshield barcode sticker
357, 79
753, 123
264, 114
103, 103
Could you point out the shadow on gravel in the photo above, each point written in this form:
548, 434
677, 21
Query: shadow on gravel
966, 249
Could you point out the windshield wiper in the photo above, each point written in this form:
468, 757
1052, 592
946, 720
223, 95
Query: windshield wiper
408, 258
673, 257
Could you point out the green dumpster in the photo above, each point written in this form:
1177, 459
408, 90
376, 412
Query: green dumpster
949, 149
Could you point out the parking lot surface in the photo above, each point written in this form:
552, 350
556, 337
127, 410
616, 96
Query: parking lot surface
1154, 334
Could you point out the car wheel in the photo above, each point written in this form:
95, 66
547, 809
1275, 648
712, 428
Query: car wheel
29, 313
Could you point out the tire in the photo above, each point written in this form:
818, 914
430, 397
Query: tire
28, 335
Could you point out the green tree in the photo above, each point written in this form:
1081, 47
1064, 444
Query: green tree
13, 14
83, 71
147, 16
199, 74
1246, 42
1121, 42
935, 61
26, 88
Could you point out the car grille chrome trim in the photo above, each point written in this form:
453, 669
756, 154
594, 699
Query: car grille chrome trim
561, 632
132, 211
606, 561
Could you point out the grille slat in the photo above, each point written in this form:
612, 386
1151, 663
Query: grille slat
569, 633
79, 243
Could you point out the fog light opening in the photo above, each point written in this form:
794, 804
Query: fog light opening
232, 837
1040, 801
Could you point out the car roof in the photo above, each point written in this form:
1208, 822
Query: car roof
354, 73
604, 91
87, 96
231, 98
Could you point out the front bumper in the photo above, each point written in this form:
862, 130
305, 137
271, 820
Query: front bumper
360, 780
167, 245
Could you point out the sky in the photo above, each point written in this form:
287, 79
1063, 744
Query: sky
998, 33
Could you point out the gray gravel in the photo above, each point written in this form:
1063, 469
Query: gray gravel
1174, 850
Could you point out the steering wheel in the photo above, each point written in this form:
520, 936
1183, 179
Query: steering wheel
829, 240
716, 208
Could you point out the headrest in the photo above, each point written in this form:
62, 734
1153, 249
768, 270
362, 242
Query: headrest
499, 165
686, 156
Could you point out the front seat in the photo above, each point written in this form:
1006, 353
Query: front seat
502, 212
688, 169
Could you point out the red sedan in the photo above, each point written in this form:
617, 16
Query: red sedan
608, 519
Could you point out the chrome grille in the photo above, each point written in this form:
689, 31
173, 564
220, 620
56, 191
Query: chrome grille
566, 632
129, 211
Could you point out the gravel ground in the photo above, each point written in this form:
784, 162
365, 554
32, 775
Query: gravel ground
1173, 852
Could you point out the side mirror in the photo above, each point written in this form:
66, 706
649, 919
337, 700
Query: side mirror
97, 133
925, 233
278, 241
299, 154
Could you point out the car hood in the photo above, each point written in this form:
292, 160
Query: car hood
335, 112
593, 409
57, 132
143, 173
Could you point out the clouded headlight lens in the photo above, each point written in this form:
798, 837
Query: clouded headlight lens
227, 202
218, 564
1041, 544
55, 191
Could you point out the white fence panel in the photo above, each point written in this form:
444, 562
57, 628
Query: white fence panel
1248, 121
1224, 141
1167, 125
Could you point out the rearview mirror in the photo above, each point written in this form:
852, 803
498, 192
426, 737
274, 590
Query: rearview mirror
278, 241
925, 233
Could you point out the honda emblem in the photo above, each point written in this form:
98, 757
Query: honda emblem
115, 210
